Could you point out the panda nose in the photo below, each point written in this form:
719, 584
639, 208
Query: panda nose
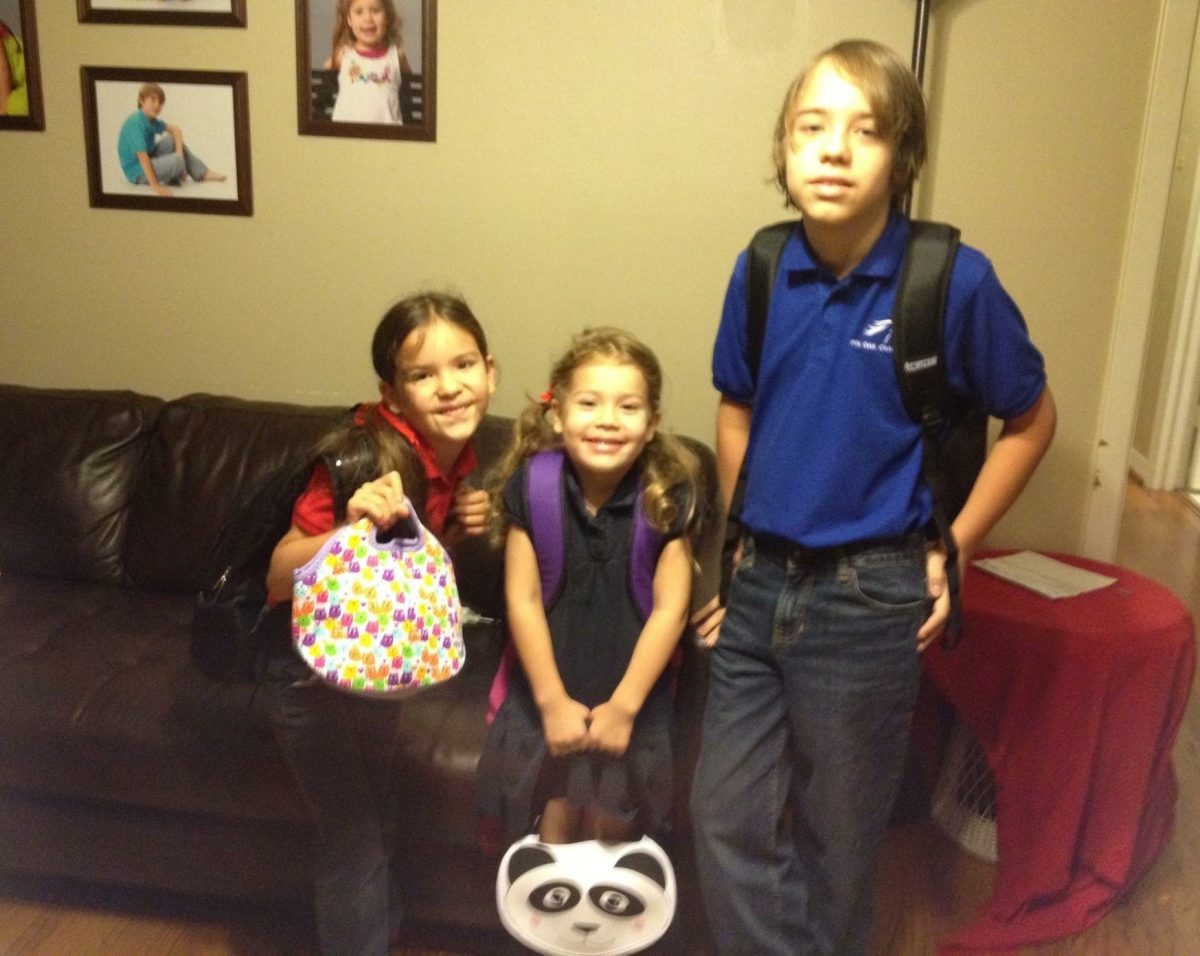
585, 928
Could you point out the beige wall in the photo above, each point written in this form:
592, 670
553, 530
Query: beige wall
596, 162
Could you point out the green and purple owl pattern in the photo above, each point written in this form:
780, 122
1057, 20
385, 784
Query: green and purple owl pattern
377, 618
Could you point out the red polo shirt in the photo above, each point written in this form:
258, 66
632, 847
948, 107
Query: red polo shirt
314, 512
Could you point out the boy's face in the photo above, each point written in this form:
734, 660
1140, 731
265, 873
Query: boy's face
839, 168
152, 106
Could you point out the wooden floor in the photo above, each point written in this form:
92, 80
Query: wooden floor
928, 886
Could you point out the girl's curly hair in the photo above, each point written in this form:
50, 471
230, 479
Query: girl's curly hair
669, 465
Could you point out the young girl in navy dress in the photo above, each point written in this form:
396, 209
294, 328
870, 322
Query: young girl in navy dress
581, 745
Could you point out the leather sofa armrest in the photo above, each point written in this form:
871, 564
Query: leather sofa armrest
69, 468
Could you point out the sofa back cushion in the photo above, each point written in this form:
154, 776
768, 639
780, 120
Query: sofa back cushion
68, 468
206, 455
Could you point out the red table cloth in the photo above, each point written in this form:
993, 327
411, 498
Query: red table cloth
1076, 703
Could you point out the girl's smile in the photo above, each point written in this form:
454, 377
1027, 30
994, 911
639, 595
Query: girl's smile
368, 24
442, 387
605, 421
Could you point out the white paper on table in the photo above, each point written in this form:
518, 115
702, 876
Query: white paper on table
1047, 576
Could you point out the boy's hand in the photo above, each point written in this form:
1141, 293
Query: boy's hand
610, 729
381, 500
707, 621
565, 724
939, 593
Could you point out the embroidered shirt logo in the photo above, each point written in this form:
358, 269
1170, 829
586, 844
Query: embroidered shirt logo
876, 336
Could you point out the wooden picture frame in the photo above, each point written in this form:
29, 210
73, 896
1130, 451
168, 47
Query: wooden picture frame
180, 13
22, 76
211, 112
317, 82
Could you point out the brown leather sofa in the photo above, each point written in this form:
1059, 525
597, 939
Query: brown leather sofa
120, 764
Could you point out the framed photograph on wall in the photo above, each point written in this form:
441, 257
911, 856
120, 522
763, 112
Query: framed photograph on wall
181, 13
367, 68
167, 140
20, 75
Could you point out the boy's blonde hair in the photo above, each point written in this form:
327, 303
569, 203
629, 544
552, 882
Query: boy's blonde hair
896, 100
151, 89
668, 463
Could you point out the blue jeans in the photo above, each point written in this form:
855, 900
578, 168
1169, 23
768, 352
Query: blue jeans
810, 701
342, 752
170, 167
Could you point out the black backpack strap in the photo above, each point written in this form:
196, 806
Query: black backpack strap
919, 315
918, 337
762, 262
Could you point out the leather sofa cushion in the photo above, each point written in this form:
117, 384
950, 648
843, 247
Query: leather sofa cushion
99, 701
68, 468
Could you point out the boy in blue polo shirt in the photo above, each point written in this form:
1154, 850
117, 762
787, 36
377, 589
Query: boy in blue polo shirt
152, 152
838, 589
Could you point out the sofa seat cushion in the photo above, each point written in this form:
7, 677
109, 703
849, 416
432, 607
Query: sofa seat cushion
99, 700
442, 731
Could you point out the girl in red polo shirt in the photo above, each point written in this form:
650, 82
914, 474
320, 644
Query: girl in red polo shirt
435, 380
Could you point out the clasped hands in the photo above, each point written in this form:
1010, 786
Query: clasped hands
572, 727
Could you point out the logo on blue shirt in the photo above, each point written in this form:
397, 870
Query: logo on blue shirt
875, 337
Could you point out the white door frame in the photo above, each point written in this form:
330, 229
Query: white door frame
1135, 294
1171, 439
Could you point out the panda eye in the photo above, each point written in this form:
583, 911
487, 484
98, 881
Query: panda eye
554, 897
615, 902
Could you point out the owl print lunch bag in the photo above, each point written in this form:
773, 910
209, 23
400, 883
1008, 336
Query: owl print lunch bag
379, 618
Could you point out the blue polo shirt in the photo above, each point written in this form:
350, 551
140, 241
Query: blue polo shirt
138, 134
833, 456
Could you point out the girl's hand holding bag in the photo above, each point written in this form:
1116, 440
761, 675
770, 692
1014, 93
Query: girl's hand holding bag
379, 618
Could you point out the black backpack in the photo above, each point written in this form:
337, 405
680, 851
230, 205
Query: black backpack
233, 631
953, 430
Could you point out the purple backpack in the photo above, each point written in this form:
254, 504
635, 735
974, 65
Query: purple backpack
544, 506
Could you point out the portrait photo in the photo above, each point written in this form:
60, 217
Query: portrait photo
20, 79
169, 140
210, 13
367, 68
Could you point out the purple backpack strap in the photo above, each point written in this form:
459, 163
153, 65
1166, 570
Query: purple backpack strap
544, 509
643, 562
547, 531
643, 559
547, 524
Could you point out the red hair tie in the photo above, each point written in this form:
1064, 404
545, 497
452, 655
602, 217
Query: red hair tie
547, 396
